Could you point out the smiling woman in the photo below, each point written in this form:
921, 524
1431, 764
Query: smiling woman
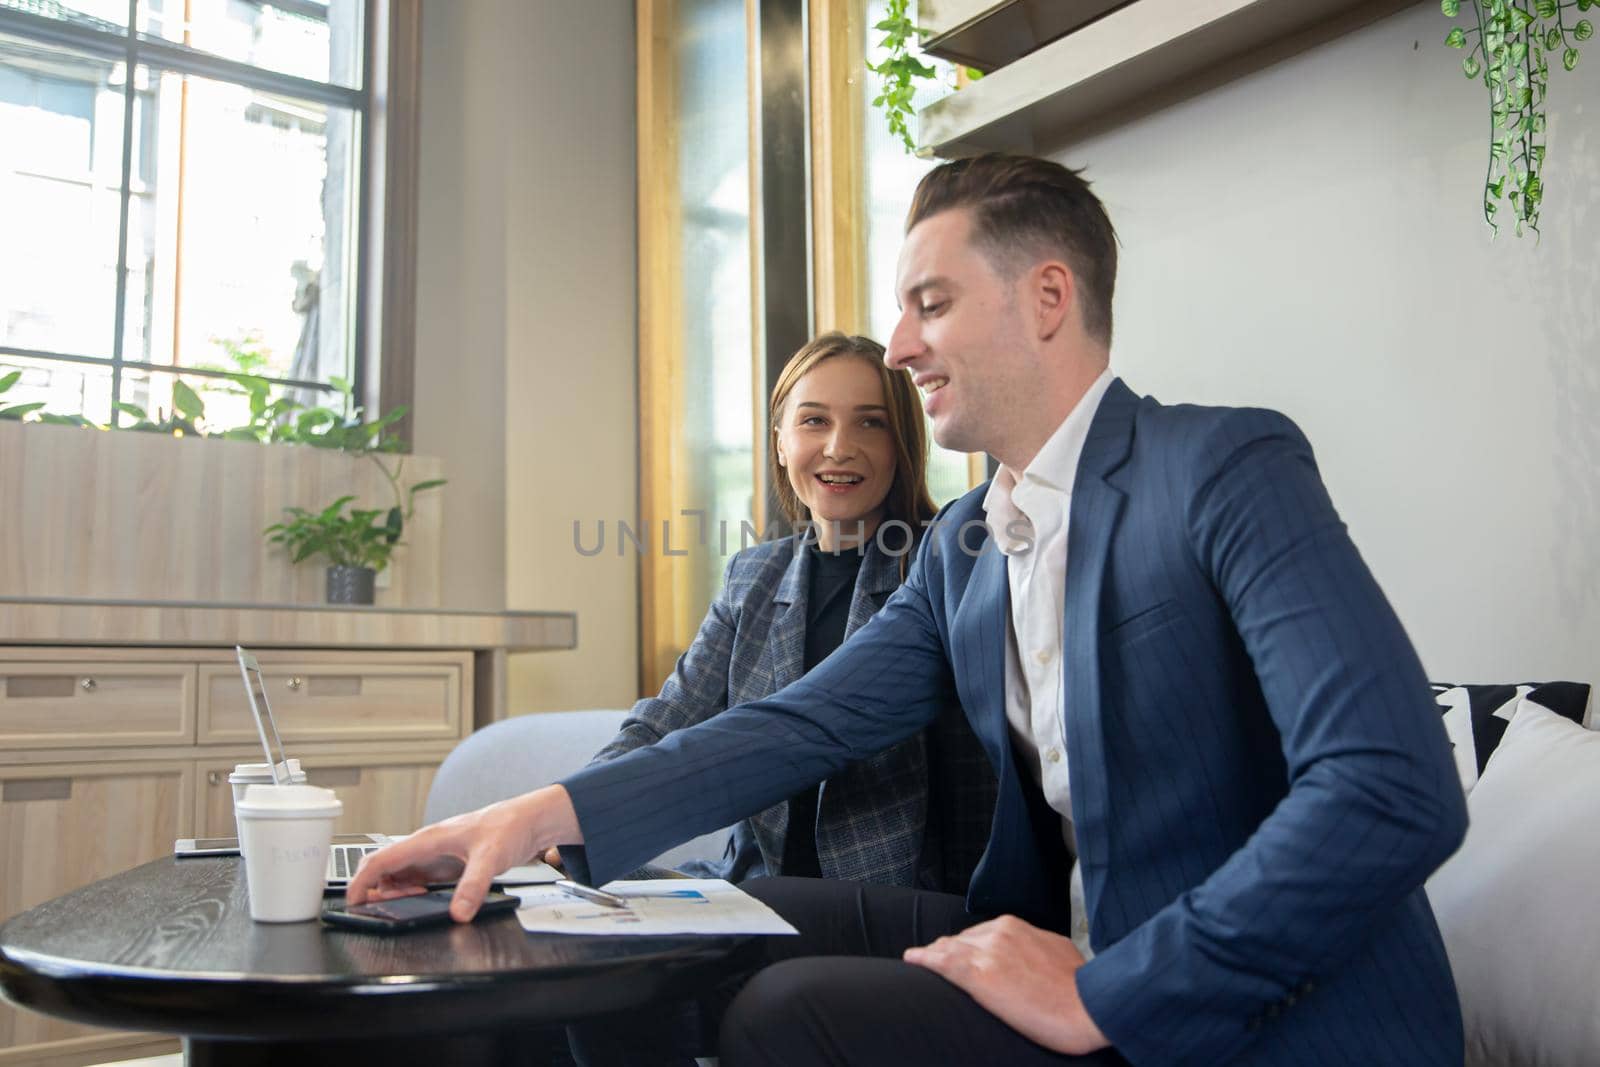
850, 450
850, 458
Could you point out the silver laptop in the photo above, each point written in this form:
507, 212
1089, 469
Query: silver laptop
343, 857
347, 850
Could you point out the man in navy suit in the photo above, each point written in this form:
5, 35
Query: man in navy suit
1199, 705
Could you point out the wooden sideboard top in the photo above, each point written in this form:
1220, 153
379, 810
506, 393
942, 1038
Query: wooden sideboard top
73, 621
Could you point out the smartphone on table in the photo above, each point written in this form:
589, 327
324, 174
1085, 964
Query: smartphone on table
409, 913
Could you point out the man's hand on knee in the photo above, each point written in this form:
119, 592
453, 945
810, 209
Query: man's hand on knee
1024, 976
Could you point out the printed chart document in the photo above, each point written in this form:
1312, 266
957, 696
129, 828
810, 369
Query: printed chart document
664, 906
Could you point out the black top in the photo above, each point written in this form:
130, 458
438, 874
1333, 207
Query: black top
170, 946
833, 583
832, 586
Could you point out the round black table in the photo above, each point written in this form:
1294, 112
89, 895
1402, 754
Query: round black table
170, 947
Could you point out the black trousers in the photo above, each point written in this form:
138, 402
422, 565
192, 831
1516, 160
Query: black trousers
839, 993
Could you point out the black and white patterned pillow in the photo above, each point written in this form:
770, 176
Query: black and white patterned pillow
1476, 716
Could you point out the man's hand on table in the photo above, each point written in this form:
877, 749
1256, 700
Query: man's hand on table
469, 850
1026, 977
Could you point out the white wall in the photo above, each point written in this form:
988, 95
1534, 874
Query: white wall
572, 369
1308, 238
461, 291
526, 321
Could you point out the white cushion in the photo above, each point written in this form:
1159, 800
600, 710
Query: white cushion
1517, 903
1476, 716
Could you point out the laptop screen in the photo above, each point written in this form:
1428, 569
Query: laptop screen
261, 711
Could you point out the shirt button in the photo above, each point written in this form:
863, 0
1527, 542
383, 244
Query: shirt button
1052, 754
1044, 655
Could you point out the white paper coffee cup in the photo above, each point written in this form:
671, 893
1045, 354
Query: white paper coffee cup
246, 775
284, 834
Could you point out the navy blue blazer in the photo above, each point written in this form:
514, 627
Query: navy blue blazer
1260, 782
915, 814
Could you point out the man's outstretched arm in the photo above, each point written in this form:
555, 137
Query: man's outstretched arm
890, 679
885, 683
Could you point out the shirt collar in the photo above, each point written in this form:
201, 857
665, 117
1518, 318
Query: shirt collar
1055, 467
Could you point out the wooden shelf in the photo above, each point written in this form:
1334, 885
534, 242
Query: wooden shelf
987, 35
1116, 64
69, 621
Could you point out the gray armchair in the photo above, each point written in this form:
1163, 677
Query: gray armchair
523, 753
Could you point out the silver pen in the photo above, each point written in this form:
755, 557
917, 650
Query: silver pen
593, 896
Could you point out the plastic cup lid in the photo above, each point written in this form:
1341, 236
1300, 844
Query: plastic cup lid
262, 772
289, 801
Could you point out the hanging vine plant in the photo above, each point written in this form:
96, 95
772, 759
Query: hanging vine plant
1511, 45
901, 70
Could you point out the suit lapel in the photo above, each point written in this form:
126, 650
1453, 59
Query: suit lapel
880, 576
788, 633
1023, 870
979, 632
1096, 508
786, 652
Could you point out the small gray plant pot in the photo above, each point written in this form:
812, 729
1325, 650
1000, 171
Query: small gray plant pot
350, 585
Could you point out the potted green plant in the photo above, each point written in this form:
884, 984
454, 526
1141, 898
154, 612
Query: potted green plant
356, 542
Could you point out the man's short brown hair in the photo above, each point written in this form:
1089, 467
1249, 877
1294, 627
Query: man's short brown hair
1026, 209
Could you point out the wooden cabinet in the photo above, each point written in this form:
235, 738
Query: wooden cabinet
67, 824
76, 704
108, 755
382, 791
357, 698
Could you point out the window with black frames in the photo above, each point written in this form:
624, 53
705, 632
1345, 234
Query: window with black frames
182, 187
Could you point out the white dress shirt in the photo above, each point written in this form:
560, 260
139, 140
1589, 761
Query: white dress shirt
1027, 517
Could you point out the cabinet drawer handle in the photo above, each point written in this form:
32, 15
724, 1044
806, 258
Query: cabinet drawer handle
36, 789
332, 776
296, 682
213, 777
38, 686
334, 685
88, 685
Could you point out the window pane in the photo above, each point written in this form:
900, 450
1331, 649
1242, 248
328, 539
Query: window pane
315, 39
63, 388
60, 174
223, 405
241, 231
891, 177
713, 174
227, 406
107, 15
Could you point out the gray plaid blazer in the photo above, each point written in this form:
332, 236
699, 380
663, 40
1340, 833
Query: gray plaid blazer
916, 814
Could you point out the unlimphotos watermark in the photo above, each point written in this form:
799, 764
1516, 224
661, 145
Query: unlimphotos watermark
893, 538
